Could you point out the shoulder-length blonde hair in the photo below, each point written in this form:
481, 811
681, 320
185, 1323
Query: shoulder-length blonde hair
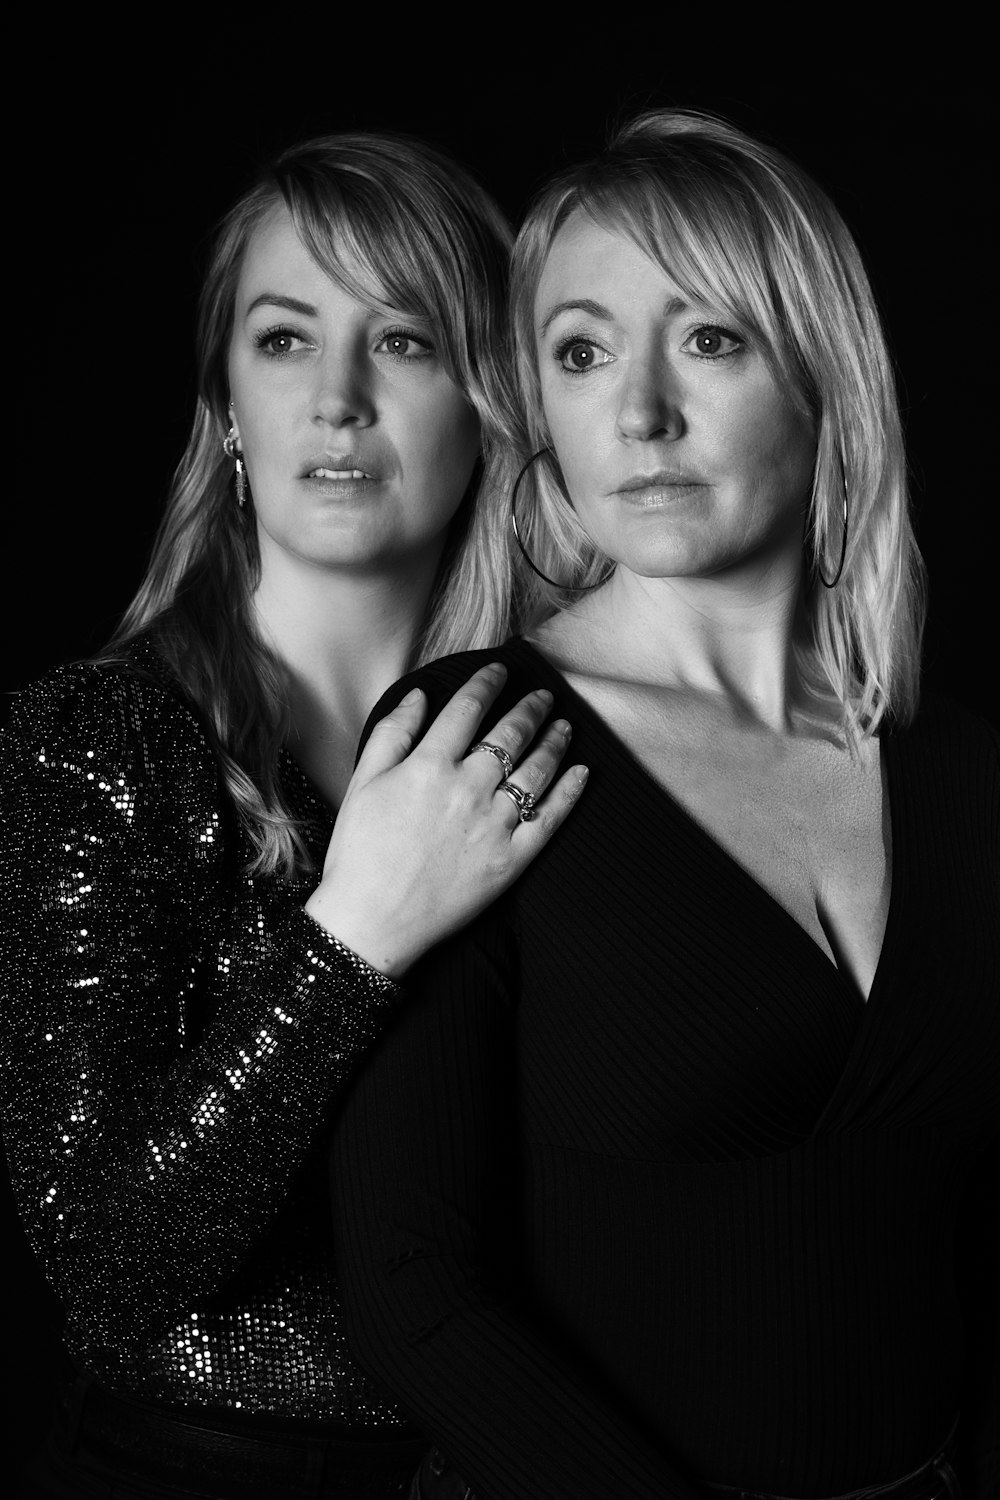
438, 247
744, 230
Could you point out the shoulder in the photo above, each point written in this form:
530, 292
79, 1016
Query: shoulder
126, 710
441, 679
954, 737
947, 766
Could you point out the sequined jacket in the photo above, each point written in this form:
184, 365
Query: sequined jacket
176, 1036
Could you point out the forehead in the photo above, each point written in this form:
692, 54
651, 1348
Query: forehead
276, 259
587, 259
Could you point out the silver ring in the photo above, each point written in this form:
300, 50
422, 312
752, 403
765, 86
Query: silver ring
522, 800
499, 752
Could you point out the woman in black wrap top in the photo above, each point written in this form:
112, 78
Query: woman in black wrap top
696, 1212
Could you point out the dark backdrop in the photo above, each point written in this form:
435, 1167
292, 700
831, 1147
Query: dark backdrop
126, 150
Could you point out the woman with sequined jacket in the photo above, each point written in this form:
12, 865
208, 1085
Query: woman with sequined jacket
195, 955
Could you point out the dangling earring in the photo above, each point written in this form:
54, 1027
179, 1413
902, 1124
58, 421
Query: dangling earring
580, 587
843, 540
229, 446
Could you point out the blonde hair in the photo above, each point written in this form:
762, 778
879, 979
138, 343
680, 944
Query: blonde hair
438, 247
741, 228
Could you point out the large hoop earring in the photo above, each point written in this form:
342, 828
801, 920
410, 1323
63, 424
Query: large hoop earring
579, 587
832, 584
230, 449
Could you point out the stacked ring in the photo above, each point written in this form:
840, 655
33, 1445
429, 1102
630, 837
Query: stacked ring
499, 752
522, 800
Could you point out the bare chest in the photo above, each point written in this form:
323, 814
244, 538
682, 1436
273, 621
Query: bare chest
328, 763
804, 818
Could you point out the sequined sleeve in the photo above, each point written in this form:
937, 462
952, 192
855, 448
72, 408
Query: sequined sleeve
164, 1074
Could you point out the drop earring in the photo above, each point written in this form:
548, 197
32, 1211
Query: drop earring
231, 450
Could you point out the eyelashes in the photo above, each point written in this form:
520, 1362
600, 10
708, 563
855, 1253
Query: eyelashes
424, 348
714, 334
577, 354
268, 336
402, 345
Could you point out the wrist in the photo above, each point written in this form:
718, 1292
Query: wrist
356, 926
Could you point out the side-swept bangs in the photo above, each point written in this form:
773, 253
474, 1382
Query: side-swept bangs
378, 213
746, 233
741, 230
421, 230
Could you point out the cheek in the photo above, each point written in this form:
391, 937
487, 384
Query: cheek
257, 412
769, 440
445, 440
792, 452
574, 432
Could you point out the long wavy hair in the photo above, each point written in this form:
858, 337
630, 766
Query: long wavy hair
438, 247
741, 228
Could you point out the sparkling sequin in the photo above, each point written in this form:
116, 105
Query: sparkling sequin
176, 1037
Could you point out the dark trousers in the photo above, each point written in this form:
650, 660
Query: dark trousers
107, 1447
934, 1480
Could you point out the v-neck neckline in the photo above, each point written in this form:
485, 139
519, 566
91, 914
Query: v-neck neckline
723, 856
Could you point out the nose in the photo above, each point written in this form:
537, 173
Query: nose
650, 403
343, 394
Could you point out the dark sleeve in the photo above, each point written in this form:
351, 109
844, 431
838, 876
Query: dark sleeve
421, 1176
978, 1269
978, 1266
133, 1128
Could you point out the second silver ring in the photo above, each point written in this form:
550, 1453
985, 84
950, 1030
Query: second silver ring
522, 800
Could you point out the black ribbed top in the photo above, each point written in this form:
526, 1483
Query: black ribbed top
637, 1192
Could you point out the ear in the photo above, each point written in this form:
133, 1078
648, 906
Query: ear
234, 429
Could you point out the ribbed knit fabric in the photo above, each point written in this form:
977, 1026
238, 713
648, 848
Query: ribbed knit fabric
637, 1192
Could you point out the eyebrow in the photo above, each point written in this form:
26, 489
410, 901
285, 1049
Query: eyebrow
306, 309
576, 304
274, 299
598, 310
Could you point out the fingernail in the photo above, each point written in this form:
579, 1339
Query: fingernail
543, 695
411, 697
582, 772
563, 728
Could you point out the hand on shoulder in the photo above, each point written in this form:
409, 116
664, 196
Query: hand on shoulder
426, 836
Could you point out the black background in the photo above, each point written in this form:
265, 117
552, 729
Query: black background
123, 150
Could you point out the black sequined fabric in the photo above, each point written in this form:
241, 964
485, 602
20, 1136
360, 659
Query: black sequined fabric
176, 1036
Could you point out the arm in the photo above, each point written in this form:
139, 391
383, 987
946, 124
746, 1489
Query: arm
132, 1121
425, 1246
978, 1271
978, 1259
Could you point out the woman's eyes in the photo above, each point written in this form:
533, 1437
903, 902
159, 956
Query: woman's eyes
576, 356
400, 343
404, 344
278, 343
710, 341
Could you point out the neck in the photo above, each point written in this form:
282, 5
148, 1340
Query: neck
731, 636
343, 637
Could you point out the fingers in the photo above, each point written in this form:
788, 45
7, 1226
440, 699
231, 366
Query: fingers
515, 732
393, 737
538, 768
535, 775
456, 728
560, 799
453, 736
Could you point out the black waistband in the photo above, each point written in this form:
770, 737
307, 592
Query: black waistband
230, 1460
933, 1480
